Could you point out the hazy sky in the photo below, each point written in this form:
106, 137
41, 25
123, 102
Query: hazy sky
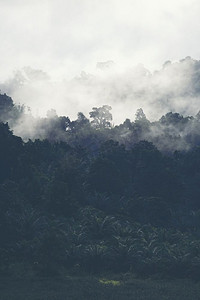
63, 37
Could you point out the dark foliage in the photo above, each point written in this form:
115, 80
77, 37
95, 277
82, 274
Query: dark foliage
87, 201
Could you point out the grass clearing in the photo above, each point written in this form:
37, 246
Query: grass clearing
112, 282
98, 288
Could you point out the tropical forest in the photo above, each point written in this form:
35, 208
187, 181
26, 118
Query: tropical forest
89, 197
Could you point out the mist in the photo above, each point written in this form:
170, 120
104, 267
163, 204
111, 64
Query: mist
74, 55
169, 98
174, 87
65, 37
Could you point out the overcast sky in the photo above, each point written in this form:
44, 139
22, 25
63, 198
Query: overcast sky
63, 37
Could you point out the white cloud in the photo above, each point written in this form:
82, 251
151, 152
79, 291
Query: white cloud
64, 37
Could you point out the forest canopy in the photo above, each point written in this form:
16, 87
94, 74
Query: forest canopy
101, 197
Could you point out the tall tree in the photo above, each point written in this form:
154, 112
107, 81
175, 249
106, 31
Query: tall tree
101, 117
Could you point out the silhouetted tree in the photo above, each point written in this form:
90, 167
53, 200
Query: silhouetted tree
101, 117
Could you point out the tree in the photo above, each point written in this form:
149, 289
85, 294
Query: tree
140, 127
79, 124
9, 111
110, 171
101, 117
6, 106
140, 115
10, 150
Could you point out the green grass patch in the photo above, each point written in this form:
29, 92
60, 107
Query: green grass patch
112, 282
